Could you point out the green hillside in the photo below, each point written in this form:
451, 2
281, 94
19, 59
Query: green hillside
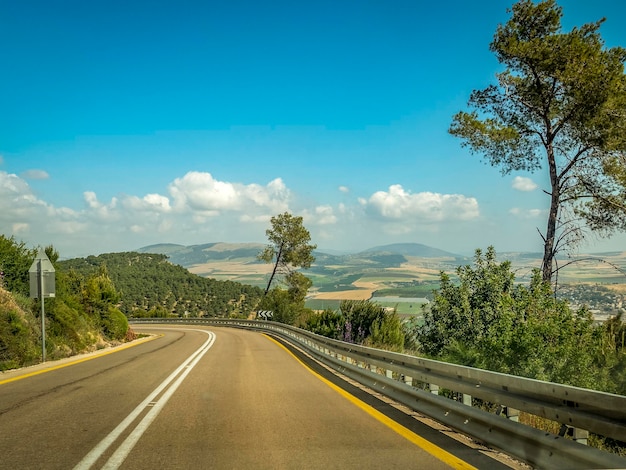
150, 283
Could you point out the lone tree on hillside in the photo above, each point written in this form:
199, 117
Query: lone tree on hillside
289, 248
560, 105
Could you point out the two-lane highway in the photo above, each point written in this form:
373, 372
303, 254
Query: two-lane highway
218, 398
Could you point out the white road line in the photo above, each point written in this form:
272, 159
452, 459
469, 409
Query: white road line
155, 407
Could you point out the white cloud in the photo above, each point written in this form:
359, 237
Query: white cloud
100, 211
523, 184
264, 218
150, 202
18, 228
199, 191
344, 189
322, 215
425, 206
528, 213
35, 175
17, 201
199, 209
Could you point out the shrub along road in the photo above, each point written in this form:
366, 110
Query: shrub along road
218, 398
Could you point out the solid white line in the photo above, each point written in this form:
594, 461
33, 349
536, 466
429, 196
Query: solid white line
156, 406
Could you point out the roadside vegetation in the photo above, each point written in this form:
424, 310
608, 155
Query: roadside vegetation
485, 319
94, 298
82, 317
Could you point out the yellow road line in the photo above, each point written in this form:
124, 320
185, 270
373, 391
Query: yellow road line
78, 361
419, 441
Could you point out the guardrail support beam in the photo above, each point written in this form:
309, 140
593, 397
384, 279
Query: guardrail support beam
467, 399
512, 414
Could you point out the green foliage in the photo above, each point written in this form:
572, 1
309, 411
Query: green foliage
115, 324
489, 321
298, 285
285, 309
359, 317
360, 321
328, 323
18, 334
70, 330
99, 293
149, 282
466, 312
289, 246
82, 313
559, 103
387, 333
15, 261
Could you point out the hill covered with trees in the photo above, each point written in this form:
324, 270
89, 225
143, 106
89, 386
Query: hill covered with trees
150, 285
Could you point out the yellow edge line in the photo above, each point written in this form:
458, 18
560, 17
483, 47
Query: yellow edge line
78, 361
419, 441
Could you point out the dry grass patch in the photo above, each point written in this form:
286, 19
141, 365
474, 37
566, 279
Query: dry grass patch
361, 294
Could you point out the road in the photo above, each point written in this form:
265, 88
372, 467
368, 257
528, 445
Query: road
204, 398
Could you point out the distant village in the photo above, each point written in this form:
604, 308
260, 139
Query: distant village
602, 301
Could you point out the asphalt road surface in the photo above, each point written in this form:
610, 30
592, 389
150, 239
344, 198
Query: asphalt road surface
208, 398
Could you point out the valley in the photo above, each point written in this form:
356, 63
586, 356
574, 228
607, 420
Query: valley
402, 275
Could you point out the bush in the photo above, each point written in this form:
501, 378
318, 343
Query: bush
19, 335
115, 324
489, 321
328, 323
387, 333
69, 327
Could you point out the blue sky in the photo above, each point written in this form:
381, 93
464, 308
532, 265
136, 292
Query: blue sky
125, 124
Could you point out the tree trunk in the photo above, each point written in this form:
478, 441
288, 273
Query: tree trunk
278, 256
555, 197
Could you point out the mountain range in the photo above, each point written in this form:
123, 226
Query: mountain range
393, 254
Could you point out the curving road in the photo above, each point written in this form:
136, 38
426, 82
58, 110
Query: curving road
204, 398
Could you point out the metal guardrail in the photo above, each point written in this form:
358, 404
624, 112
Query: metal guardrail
416, 383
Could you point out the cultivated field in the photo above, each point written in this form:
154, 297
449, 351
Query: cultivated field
398, 281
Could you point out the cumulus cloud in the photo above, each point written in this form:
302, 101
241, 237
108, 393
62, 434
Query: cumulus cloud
196, 207
521, 183
35, 175
150, 202
344, 189
23, 214
198, 191
397, 203
17, 198
321, 215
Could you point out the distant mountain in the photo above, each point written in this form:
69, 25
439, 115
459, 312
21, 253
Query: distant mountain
161, 248
199, 254
383, 256
412, 249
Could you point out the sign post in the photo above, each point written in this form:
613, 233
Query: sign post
42, 285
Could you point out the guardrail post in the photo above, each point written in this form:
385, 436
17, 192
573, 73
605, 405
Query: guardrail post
389, 374
467, 399
580, 435
434, 389
408, 380
512, 414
